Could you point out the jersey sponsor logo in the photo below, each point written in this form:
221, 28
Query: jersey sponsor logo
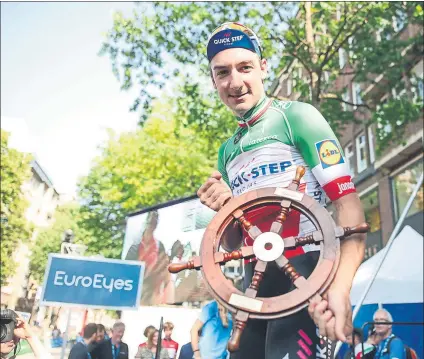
339, 187
345, 186
237, 137
262, 139
329, 153
259, 171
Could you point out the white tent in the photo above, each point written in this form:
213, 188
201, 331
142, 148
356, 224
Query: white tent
400, 279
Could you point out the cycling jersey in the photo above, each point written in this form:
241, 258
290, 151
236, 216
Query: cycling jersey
272, 140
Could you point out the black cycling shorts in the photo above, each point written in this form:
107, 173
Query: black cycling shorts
294, 336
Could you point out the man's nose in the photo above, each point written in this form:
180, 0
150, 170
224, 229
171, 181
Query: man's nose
236, 80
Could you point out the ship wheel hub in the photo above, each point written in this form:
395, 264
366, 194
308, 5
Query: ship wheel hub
268, 246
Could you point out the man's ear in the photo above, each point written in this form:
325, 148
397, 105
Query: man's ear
264, 68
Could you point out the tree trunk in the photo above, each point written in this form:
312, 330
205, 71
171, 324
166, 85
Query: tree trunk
309, 32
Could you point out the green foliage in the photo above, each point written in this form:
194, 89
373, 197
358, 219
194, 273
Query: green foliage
155, 164
152, 46
15, 170
49, 239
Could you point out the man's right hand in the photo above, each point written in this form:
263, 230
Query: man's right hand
214, 193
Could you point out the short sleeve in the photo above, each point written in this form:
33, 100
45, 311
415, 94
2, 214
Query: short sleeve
208, 312
320, 148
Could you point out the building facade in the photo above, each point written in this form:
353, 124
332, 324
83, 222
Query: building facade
43, 200
386, 180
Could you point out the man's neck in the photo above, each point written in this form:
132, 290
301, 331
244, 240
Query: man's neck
87, 341
115, 341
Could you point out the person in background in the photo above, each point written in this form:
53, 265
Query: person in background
147, 331
215, 324
23, 331
149, 351
101, 333
167, 342
390, 346
186, 351
80, 349
113, 348
372, 337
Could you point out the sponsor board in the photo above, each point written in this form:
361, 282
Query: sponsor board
89, 282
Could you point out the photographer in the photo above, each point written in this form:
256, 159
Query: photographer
13, 329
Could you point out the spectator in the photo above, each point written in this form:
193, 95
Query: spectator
215, 323
186, 351
390, 346
353, 340
167, 342
100, 337
149, 351
113, 348
372, 337
147, 331
101, 333
80, 349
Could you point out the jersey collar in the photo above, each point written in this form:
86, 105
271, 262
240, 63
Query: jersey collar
254, 113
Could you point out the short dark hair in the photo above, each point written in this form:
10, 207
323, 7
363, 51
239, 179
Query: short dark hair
357, 332
89, 330
101, 328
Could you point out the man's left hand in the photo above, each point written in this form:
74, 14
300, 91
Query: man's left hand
333, 315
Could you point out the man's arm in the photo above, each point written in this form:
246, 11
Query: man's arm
349, 213
195, 329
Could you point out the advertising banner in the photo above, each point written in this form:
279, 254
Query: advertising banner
98, 283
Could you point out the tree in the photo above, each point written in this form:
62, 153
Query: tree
15, 170
303, 38
49, 239
155, 164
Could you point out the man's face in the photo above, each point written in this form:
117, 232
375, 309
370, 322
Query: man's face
100, 335
7, 347
237, 75
382, 329
118, 333
168, 333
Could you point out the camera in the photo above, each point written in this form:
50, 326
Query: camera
8, 320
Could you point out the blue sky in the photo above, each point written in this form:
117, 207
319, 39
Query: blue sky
54, 82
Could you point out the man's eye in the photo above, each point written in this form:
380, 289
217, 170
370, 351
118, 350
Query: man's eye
246, 68
221, 73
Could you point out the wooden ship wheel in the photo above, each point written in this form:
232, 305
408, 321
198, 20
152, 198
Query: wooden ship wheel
268, 247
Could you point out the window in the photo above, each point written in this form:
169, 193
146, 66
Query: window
372, 210
356, 94
417, 81
345, 97
403, 185
342, 58
371, 144
361, 152
370, 203
289, 86
349, 159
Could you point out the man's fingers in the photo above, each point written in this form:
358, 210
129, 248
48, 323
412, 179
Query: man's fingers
323, 320
319, 311
340, 325
329, 328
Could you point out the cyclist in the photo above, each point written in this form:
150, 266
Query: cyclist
272, 139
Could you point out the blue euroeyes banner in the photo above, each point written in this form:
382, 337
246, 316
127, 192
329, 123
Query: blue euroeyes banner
89, 282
